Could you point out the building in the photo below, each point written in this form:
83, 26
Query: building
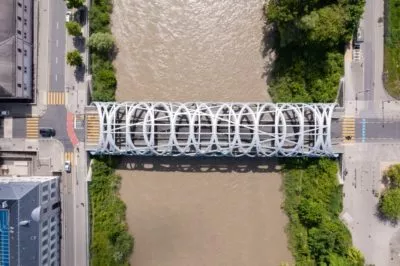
16, 49
29, 221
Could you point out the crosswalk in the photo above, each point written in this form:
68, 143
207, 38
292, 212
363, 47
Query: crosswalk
55, 98
348, 129
92, 128
32, 127
69, 156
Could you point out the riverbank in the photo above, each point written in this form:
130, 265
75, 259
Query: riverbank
110, 242
196, 212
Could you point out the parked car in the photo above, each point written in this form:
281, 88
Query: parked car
67, 166
4, 113
68, 16
47, 132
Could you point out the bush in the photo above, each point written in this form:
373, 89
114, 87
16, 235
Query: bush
99, 19
73, 28
111, 244
389, 204
74, 58
393, 176
101, 42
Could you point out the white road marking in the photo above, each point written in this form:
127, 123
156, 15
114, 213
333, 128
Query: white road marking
56, 60
57, 25
56, 43
56, 77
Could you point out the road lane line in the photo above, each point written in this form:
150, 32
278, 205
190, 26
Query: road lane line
57, 25
56, 77
56, 43
56, 60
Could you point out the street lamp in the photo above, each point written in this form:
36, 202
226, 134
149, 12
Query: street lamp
358, 93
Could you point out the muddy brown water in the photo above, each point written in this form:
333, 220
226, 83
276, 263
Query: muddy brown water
197, 211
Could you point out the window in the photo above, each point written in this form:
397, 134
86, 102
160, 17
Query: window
45, 188
25, 70
44, 233
53, 194
53, 228
52, 219
19, 85
19, 18
52, 255
19, 32
45, 197
19, 67
44, 224
44, 243
25, 52
52, 237
44, 252
45, 210
19, 50
55, 205
52, 246
53, 185
25, 8
44, 261
25, 22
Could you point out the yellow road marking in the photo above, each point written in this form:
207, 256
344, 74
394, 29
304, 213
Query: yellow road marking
32, 127
348, 129
55, 98
92, 128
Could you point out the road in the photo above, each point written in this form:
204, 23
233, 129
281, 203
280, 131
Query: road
377, 145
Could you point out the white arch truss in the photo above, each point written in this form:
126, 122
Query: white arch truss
214, 129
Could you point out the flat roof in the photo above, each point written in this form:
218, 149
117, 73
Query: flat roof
7, 48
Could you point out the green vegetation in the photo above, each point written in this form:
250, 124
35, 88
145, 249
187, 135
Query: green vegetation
74, 3
392, 48
74, 58
313, 202
111, 243
310, 44
310, 41
74, 28
389, 202
101, 44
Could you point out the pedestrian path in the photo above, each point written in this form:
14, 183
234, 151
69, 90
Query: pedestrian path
55, 98
69, 156
348, 129
32, 127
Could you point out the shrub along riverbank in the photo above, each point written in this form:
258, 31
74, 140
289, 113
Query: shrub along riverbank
310, 41
392, 48
110, 242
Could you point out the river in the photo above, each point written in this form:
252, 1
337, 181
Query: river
187, 211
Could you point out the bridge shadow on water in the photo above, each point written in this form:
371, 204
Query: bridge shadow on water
199, 165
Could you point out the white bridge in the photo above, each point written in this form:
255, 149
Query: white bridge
210, 129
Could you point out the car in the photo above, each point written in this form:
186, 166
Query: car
4, 113
67, 166
47, 132
68, 16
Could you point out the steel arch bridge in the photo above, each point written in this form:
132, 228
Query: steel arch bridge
212, 129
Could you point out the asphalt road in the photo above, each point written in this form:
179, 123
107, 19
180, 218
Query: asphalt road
57, 45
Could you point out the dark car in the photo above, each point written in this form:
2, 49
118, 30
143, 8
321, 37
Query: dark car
47, 132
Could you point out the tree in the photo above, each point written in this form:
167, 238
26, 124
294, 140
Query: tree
393, 176
74, 58
74, 28
74, 3
355, 257
310, 213
389, 204
101, 42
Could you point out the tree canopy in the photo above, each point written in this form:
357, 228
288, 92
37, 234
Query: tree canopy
73, 28
101, 42
74, 58
74, 3
393, 176
389, 204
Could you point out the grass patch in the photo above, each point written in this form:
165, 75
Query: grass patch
392, 48
111, 243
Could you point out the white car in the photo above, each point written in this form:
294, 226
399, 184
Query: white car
4, 113
67, 166
68, 16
